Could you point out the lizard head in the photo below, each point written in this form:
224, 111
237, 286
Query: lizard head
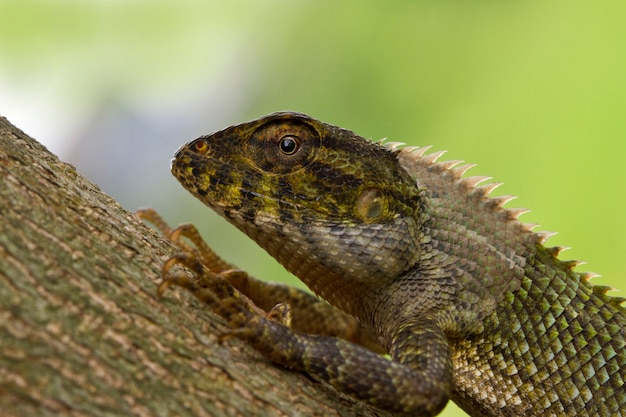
322, 200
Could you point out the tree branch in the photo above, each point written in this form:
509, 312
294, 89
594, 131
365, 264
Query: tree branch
82, 332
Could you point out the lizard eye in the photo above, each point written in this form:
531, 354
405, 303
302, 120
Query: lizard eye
289, 145
200, 146
282, 146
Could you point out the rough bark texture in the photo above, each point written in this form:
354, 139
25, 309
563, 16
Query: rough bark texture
82, 332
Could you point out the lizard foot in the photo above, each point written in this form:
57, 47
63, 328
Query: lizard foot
211, 280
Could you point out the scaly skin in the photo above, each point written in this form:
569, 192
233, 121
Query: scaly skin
465, 298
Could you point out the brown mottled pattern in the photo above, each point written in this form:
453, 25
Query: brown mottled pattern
465, 298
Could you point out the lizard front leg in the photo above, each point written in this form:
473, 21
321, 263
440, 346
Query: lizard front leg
416, 381
309, 314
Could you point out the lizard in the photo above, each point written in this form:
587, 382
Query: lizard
408, 257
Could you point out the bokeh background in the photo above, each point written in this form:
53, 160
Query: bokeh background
533, 91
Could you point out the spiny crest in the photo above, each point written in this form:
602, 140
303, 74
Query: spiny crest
432, 157
502, 199
392, 146
545, 235
472, 183
571, 264
461, 170
555, 251
419, 156
588, 276
602, 292
529, 226
515, 213
489, 187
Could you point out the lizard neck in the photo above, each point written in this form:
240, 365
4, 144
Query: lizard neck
472, 251
333, 261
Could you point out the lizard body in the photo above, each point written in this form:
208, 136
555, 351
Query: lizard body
466, 299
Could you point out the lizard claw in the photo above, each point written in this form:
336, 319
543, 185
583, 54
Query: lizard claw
281, 313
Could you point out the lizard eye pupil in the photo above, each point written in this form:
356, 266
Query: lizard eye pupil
289, 145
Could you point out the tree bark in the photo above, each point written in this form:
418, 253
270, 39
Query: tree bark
82, 332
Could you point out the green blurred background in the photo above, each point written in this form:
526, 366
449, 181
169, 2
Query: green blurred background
532, 91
